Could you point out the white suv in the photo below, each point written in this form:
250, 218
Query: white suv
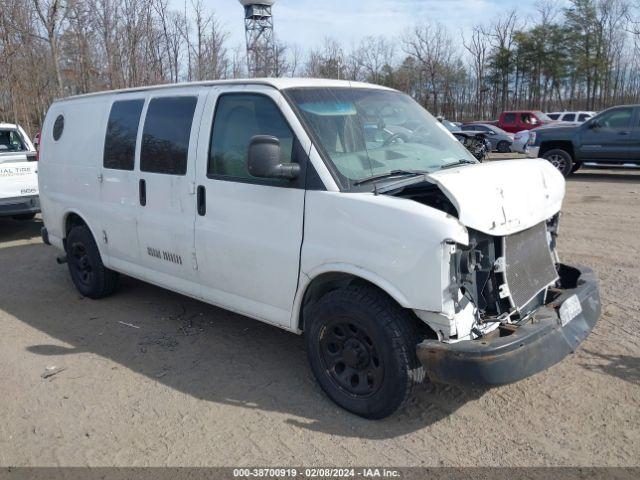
336, 209
18, 173
571, 116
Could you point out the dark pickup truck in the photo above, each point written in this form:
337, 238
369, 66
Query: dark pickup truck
610, 138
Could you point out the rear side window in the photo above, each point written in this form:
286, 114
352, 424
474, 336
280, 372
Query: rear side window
166, 133
569, 117
238, 118
616, 119
58, 127
509, 118
122, 131
584, 116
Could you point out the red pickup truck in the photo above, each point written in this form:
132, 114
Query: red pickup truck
515, 121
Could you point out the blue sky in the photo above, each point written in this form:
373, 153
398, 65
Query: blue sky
308, 22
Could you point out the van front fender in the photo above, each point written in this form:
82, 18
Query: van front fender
308, 278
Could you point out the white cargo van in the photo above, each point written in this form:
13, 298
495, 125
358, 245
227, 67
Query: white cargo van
340, 210
18, 174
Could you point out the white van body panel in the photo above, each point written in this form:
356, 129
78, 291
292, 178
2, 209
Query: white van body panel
69, 168
353, 233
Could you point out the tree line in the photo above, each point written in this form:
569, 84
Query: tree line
584, 56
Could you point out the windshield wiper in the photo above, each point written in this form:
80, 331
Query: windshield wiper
462, 161
392, 173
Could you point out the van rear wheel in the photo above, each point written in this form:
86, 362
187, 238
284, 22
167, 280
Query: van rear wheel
361, 347
89, 275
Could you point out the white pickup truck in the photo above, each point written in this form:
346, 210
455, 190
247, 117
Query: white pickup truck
18, 174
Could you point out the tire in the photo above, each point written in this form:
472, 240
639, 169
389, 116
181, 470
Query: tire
89, 275
503, 147
576, 167
361, 347
561, 159
24, 216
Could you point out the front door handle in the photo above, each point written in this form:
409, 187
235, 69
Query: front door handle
623, 132
142, 190
202, 200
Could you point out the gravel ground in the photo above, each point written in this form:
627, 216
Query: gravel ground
194, 385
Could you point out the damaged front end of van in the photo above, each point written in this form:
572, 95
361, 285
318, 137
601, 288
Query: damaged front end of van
510, 307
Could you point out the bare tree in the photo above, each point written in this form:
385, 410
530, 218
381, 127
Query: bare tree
478, 47
431, 46
375, 54
52, 14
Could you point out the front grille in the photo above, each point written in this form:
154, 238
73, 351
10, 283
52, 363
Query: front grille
529, 265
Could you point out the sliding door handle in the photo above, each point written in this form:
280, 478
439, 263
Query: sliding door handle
202, 200
142, 191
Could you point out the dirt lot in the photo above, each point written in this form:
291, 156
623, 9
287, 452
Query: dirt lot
195, 385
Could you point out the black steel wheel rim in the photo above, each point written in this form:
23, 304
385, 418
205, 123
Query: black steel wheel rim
351, 358
81, 264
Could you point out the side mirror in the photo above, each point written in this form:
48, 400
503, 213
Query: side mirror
263, 159
593, 125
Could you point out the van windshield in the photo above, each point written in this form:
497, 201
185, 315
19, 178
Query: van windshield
370, 134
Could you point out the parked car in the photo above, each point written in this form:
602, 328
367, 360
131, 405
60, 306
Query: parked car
499, 140
395, 255
610, 138
571, 116
18, 174
475, 141
518, 120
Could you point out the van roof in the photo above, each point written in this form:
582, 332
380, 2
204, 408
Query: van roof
8, 126
278, 83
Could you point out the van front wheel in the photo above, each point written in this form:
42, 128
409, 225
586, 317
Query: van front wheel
89, 275
362, 349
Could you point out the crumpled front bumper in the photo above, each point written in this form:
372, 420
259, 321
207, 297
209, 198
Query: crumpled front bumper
531, 348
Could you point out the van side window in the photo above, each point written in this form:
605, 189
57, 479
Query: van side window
166, 133
122, 131
237, 119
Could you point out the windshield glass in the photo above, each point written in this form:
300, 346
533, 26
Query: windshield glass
452, 127
368, 132
10, 141
543, 116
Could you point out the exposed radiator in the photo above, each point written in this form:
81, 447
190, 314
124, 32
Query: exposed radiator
529, 264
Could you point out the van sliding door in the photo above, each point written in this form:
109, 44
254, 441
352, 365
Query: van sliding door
166, 194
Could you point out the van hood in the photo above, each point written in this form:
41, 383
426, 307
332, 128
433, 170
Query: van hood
503, 197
